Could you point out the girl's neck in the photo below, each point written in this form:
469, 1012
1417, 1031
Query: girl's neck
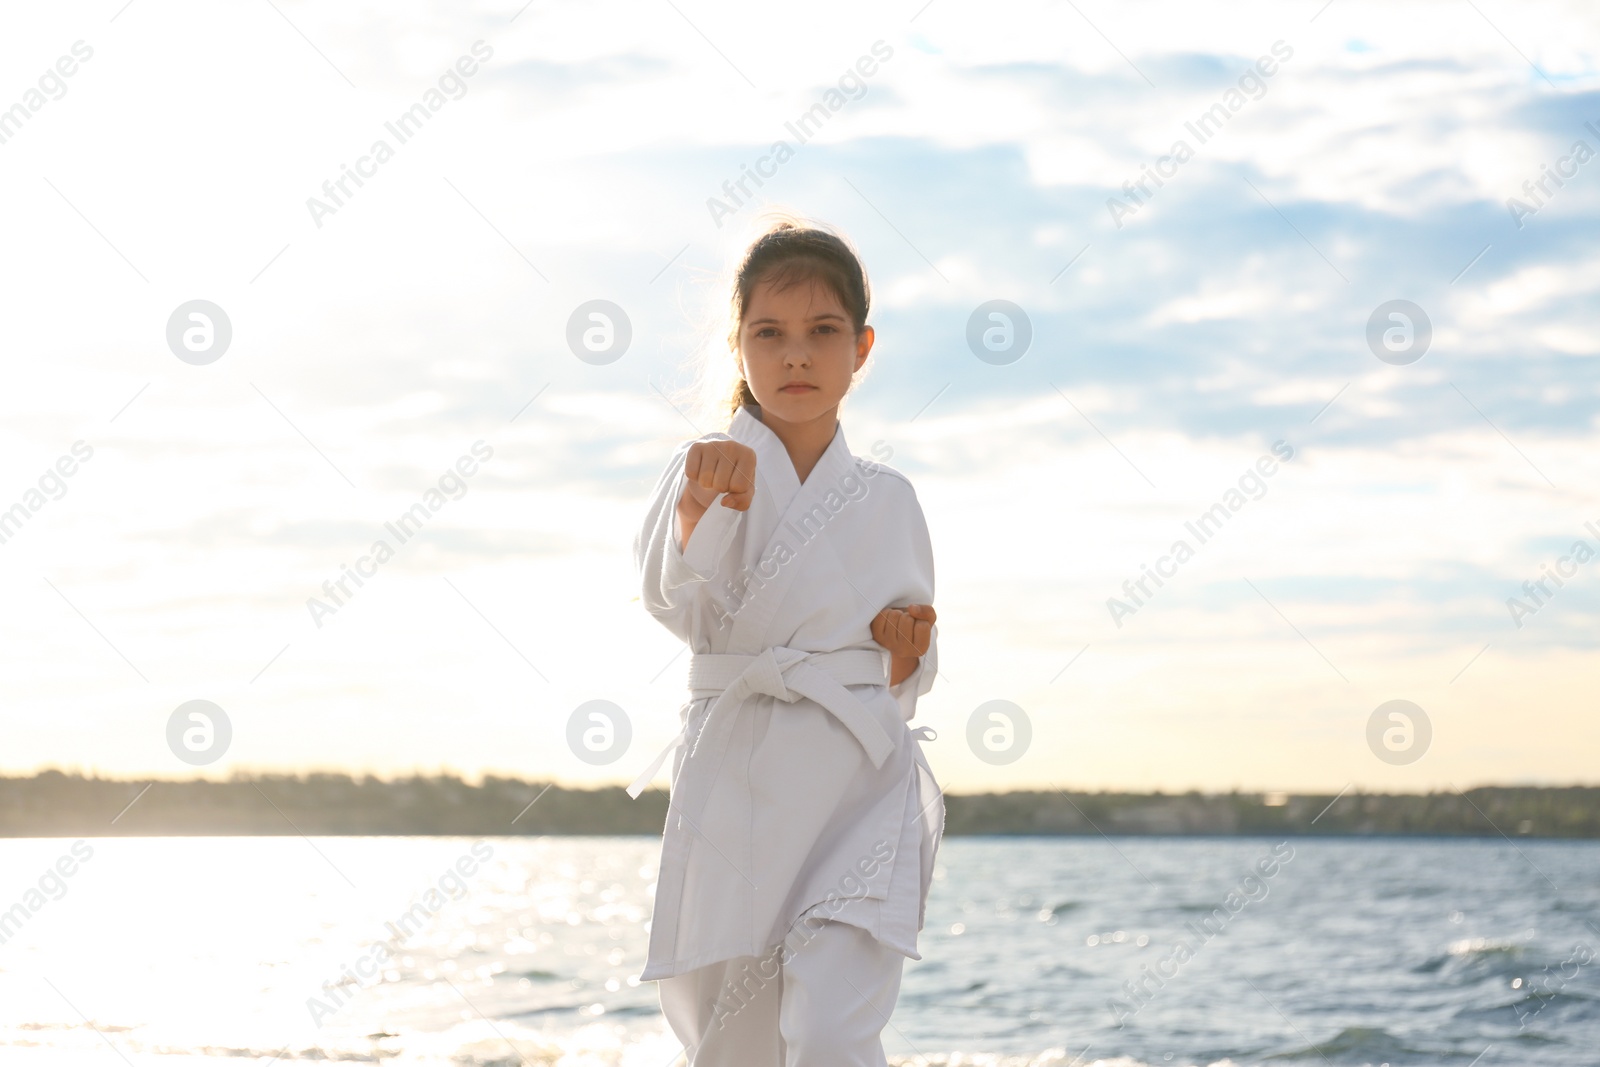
804, 441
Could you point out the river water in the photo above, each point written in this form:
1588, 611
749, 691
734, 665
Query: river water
1113, 951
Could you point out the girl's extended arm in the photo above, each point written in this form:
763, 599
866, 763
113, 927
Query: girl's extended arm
671, 566
713, 467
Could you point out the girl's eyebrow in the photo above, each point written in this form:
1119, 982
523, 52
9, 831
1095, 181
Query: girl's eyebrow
814, 318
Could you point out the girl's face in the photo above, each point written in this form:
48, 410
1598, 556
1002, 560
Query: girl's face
798, 350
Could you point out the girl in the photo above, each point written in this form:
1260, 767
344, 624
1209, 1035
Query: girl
804, 820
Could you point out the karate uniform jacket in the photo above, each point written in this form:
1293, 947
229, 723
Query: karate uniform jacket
798, 787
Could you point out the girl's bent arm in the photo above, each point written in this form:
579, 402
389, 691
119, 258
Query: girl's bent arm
919, 679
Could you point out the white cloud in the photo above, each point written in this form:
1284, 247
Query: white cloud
415, 321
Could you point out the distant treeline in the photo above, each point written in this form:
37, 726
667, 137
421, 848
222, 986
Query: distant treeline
52, 804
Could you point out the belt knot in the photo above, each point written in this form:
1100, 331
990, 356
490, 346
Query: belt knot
767, 670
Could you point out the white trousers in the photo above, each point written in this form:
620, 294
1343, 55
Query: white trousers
820, 999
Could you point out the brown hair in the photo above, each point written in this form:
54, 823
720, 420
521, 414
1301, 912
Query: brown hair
788, 253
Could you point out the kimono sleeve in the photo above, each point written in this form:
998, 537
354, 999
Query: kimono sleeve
671, 576
918, 681
920, 560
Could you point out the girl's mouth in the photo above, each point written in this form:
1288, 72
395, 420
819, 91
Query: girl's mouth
796, 387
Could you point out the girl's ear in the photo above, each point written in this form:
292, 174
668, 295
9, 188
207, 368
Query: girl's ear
864, 341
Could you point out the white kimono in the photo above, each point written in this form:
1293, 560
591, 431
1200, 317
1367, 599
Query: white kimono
798, 787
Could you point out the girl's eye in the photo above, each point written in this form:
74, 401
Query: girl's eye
767, 331
829, 327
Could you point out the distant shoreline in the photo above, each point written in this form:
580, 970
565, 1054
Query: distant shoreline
53, 804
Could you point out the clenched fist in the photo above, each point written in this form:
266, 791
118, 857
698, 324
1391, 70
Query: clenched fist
713, 467
906, 633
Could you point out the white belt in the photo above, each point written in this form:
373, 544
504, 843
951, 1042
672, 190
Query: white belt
787, 674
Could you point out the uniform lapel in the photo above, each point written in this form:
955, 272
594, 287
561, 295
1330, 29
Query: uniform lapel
774, 469
777, 564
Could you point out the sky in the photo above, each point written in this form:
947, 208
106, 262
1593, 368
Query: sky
1356, 154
